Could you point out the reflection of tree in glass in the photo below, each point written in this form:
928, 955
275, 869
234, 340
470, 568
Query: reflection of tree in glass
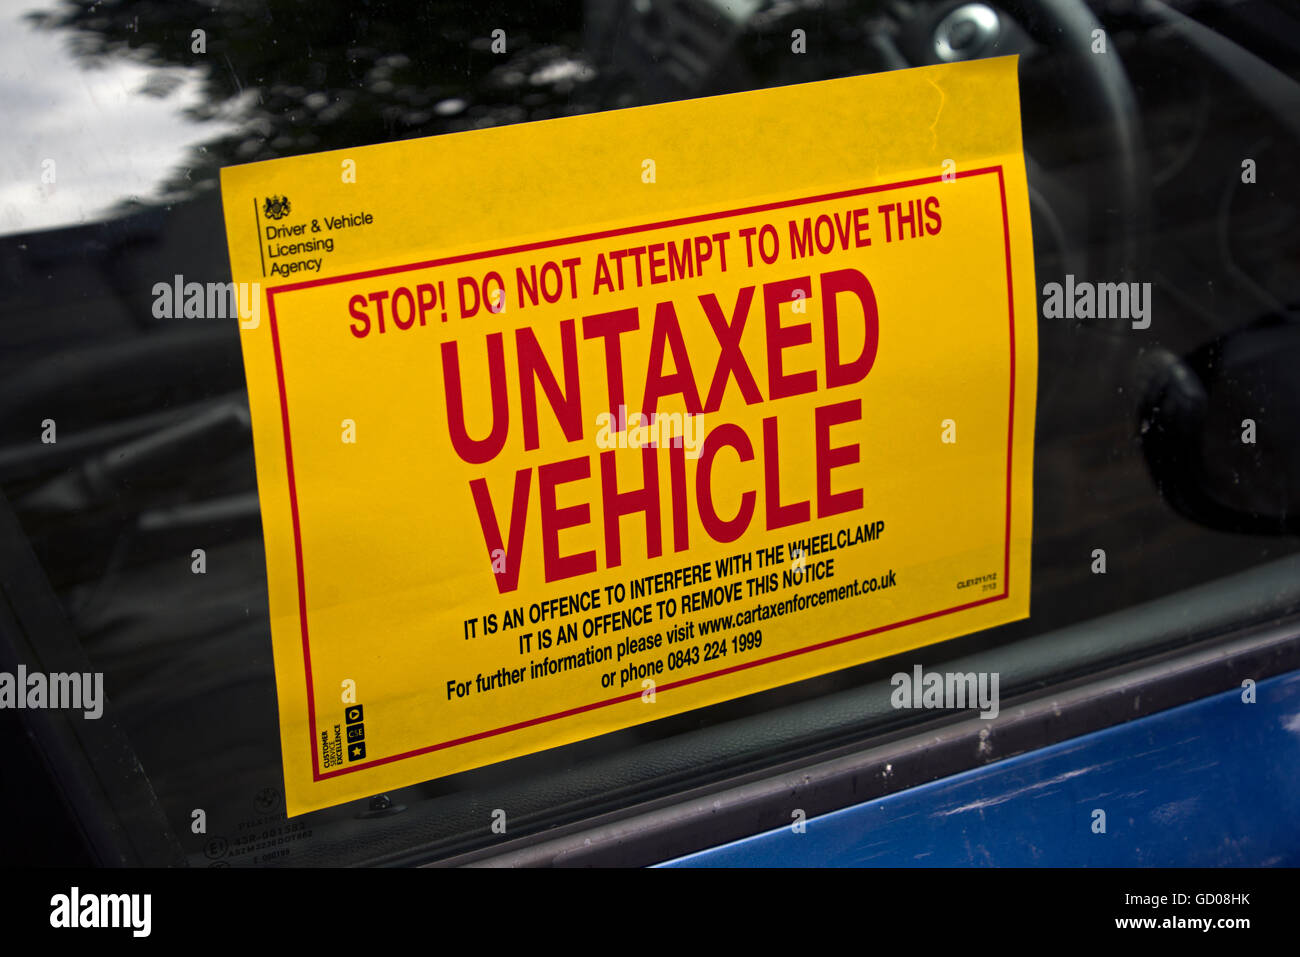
306, 77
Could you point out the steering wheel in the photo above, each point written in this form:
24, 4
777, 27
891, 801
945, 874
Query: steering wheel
1088, 183
1106, 208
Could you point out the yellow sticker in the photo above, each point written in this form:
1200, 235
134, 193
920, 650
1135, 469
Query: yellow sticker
571, 425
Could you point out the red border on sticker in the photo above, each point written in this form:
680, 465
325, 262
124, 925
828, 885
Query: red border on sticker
271, 293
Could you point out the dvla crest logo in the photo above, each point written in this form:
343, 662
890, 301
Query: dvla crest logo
276, 207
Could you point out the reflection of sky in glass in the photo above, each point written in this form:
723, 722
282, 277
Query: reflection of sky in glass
115, 129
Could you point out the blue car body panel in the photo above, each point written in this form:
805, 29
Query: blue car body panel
1210, 783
